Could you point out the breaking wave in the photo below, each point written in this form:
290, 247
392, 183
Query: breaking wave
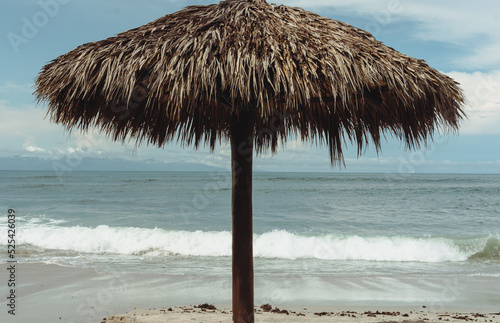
274, 244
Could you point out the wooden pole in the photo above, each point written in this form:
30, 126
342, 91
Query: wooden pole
242, 134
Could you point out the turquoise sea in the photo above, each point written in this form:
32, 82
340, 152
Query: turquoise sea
319, 238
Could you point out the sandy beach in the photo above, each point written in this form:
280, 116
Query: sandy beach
207, 313
52, 293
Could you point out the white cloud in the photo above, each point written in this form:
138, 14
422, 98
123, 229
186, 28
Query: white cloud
9, 87
482, 91
23, 121
91, 141
225, 149
473, 25
25, 130
360, 5
31, 148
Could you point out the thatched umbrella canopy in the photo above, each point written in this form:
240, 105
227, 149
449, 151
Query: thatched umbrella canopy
253, 73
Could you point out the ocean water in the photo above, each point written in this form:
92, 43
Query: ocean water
331, 236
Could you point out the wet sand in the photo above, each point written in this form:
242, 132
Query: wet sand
52, 293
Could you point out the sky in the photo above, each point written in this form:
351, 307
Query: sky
459, 38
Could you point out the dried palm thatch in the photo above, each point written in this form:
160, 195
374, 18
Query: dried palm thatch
184, 76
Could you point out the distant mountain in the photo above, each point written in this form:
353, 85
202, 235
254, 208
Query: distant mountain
97, 164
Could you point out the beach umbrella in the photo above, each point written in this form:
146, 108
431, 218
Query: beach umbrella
255, 74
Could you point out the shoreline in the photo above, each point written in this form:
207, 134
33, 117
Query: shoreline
266, 313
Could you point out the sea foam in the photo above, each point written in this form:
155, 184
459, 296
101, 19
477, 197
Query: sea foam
274, 244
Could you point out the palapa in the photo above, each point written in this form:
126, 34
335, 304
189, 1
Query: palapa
252, 73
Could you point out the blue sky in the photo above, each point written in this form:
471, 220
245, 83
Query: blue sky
459, 38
